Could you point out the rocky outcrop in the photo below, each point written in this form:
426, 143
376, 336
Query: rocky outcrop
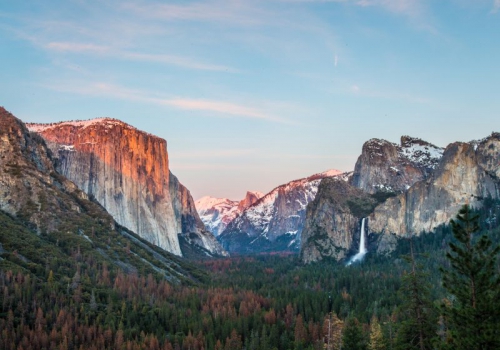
47, 220
193, 230
331, 225
30, 187
275, 221
467, 173
217, 213
127, 172
385, 166
250, 198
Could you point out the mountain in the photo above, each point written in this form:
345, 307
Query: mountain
405, 189
275, 221
126, 170
386, 166
467, 173
332, 221
47, 223
217, 213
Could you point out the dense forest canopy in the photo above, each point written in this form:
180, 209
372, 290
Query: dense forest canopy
69, 299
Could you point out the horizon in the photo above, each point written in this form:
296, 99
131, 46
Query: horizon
252, 95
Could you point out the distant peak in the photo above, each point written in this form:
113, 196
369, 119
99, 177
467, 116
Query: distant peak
208, 202
331, 172
257, 194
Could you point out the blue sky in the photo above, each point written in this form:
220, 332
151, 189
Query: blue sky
251, 94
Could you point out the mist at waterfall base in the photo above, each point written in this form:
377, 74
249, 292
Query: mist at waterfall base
362, 246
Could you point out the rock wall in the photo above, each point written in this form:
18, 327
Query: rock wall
127, 172
386, 166
330, 226
466, 173
30, 187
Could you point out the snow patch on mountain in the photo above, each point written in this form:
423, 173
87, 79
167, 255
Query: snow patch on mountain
217, 213
276, 216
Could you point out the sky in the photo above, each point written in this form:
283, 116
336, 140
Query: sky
251, 94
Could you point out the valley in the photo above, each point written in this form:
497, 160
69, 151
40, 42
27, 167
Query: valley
101, 246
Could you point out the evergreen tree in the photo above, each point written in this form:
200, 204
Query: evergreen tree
353, 338
473, 282
417, 328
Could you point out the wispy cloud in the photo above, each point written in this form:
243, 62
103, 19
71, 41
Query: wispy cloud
412, 9
406, 7
77, 47
179, 61
219, 108
496, 6
237, 12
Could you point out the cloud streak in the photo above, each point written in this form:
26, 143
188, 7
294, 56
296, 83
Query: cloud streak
236, 12
220, 108
179, 61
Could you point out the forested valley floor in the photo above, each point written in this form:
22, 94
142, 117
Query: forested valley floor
73, 300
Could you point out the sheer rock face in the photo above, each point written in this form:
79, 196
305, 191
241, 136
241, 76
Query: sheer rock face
275, 221
467, 172
330, 227
126, 170
386, 166
192, 228
30, 188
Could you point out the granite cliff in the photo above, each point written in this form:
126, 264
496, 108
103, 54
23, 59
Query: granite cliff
386, 166
467, 173
127, 172
47, 222
332, 221
413, 188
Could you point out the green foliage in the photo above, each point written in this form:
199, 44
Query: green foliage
472, 312
417, 312
363, 206
353, 337
103, 294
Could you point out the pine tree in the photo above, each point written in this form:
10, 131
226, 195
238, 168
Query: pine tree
417, 328
353, 338
473, 313
377, 341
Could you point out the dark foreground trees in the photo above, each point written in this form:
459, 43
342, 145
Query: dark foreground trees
417, 328
472, 311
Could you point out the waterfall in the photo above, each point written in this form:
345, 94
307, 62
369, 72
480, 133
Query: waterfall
362, 246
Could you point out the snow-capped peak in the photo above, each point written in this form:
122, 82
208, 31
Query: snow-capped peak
217, 213
208, 202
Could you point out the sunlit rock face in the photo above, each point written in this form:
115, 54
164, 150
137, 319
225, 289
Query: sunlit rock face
467, 173
386, 166
126, 171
